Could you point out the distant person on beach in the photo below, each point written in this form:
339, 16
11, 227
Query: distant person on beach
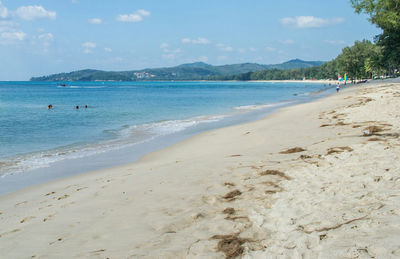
50, 106
77, 107
337, 87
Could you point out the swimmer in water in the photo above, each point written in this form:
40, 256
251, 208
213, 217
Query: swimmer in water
77, 107
50, 106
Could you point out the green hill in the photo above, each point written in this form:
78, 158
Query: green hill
191, 71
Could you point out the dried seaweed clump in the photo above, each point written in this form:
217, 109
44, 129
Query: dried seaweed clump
229, 184
275, 172
338, 150
231, 245
232, 195
292, 150
229, 211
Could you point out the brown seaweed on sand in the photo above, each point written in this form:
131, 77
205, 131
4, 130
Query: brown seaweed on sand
232, 195
274, 188
275, 172
229, 211
292, 150
338, 150
231, 245
229, 184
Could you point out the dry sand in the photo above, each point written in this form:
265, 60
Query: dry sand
302, 183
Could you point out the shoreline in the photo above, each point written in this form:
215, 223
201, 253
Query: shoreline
320, 81
102, 160
232, 184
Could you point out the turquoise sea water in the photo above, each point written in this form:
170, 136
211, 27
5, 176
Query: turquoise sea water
119, 114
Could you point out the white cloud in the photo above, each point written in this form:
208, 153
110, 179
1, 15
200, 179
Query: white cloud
88, 47
133, 17
224, 47
129, 18
3, 11
46, 37
252, 49
44, 40
107, 49
10, 34
335, 42
88, 44
172, 50
143, 12
7, 26
34, 12
268, 48
13, 36
196, 41
164, 45
95, 21
169, 53
310, 21
286, 42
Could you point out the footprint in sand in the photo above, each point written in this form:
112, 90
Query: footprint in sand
27, 219
98, 251
58, 240
49, 217
50, 193
21, 203
48, 206
10, 232
63, 197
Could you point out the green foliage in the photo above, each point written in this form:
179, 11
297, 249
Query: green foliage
362, 60
390, 43
326, 70
386, 15
352, 60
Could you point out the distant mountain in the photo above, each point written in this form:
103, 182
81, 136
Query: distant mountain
191, 71
297, 63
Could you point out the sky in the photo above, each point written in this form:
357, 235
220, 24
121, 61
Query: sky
41, 37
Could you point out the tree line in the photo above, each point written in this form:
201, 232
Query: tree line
362, 60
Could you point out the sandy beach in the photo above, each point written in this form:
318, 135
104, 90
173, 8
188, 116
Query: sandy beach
315, 180
307, 81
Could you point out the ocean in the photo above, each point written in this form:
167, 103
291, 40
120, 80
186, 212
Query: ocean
137, 116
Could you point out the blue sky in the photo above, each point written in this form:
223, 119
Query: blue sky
40, 37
